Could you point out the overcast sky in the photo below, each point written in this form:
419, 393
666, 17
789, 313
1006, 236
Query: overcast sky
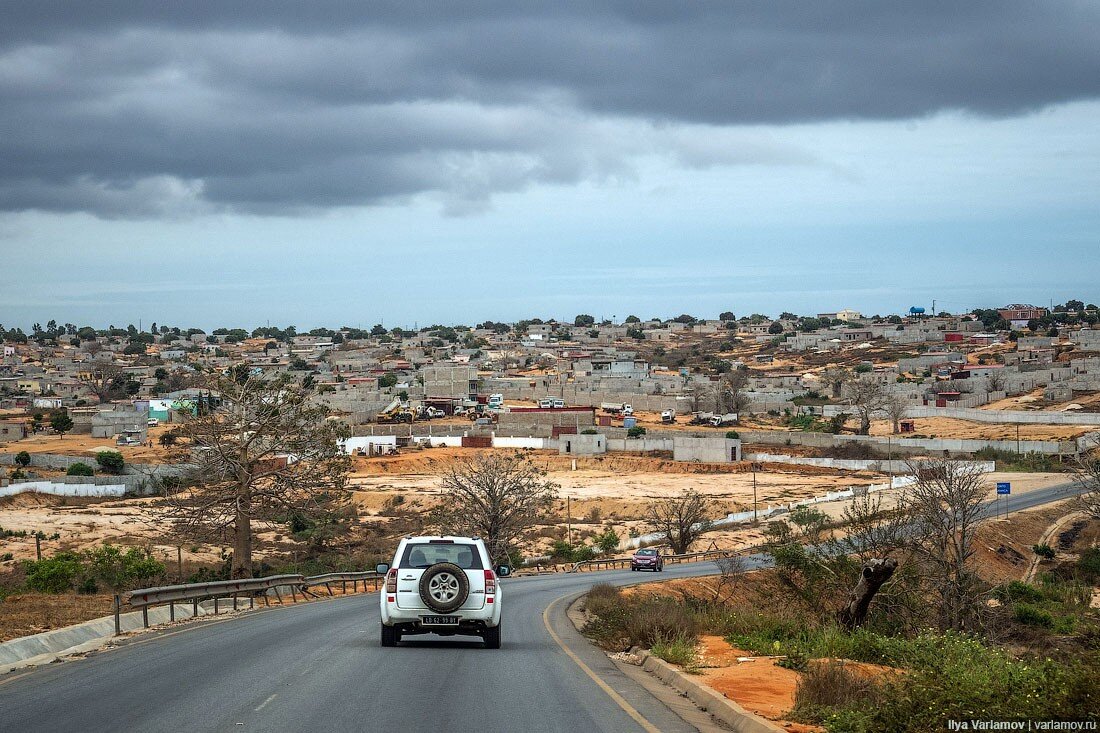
345, 163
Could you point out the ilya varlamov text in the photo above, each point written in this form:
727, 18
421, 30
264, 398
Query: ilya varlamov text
1022, 725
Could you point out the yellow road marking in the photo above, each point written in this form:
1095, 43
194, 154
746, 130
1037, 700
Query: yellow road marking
638, 717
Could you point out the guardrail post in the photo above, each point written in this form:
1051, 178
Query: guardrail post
145, 616
118, 614
329, 587
251, 601
171, 611
234, 601
215, 605
278, 594
194, 607
344, 587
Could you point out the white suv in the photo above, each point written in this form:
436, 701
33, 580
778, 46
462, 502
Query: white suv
441, 585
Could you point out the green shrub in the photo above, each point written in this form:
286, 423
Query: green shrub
1030, 615
55, 574
23, 458
6, 557
110, 461
106, 565
590, 431
621, 623
1019, 591
828, 685
1044, 551
733, 435
118, 569
679, 650
635, 432
1089, 562
80, 469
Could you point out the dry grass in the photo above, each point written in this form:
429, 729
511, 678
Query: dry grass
24, 614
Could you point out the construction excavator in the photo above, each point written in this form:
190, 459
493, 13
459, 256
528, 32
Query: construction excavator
397, 412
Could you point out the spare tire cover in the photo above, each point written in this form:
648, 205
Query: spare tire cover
444, 587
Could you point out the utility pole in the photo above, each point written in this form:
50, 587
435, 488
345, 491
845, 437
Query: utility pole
569, 520
755, 515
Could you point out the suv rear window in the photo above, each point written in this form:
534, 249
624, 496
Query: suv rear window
423, 555
646, 553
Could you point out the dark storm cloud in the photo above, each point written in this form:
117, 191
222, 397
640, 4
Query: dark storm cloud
152, 108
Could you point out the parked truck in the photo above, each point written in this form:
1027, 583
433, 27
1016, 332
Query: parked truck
617, 408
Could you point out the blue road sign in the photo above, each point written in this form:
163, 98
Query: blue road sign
1004, 487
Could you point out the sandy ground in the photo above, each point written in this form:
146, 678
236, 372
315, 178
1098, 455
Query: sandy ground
86, 445
945, 427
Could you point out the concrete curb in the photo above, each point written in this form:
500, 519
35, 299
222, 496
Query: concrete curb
722, 708
49, 646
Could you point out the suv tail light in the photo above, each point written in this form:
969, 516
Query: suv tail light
490, 582
391, 581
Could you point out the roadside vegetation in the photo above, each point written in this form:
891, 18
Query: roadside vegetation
898, 590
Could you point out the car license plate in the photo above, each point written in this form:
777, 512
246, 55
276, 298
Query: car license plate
439, 620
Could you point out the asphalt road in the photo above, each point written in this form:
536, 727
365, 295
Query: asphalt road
319, 666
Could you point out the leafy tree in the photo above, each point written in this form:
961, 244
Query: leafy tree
23, 458
583, 320
80, 469
775, 328
635, 432
110, 461
607, 541
378, 330
685, 318
387, 380
726, 316
632, 319
160, 374
61, 422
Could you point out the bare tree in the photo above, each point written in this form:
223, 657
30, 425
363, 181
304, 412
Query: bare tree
1086, 475
264, 455
895, 406
107, 381
495, 497
729, 395
944, 508
835, 378
995, 382
700, 395
682, 519
866, 395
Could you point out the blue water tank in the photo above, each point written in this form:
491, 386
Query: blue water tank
916, 310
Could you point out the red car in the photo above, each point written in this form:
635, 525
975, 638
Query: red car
647, 559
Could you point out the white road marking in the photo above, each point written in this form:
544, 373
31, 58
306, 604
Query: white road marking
265, 702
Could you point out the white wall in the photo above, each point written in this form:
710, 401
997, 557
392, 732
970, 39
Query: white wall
48, 487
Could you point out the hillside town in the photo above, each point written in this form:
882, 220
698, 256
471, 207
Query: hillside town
1017, 365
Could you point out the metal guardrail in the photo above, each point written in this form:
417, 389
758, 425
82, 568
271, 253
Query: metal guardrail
217, 590
624, 562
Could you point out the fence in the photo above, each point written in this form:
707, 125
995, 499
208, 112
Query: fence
249, 587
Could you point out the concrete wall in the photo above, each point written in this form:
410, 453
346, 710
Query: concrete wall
1005, 417
850, 464
706, 450
582, 445
908, 446
64, 488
